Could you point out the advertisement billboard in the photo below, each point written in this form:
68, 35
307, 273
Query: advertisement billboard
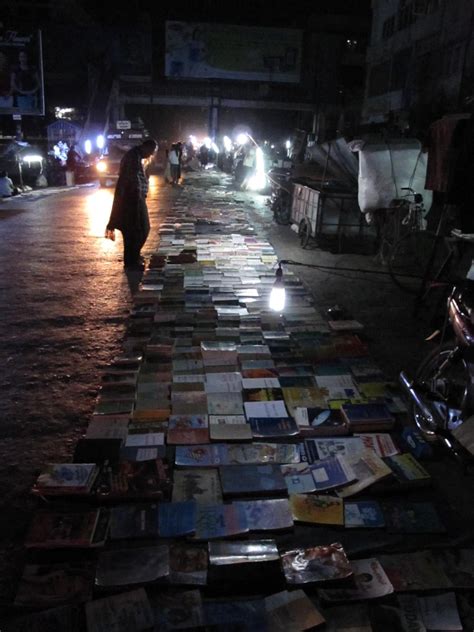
21, 73
225, 51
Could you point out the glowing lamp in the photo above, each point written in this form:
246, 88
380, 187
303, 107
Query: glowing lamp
278, 294
100, 141
32, 158
88, 146
101, 166
242, 139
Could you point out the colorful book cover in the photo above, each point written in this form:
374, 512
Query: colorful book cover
368, 416
320, 422
262, 394
337, 386
331, 473
219, 521
187, 429
260, 453
368, 469
407, 470
324, 448
379, 442
137, 480
67, 478
229, 428
224, 404
188, 564
298, 478
268, 427
52, 530
303, 397
317, 509
370, 581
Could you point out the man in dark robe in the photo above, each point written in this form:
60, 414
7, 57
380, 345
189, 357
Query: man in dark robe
129, 210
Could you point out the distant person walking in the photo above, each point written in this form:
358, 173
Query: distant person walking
174, 160
129, 210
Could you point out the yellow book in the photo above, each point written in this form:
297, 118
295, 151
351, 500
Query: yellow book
317, 509
303, 397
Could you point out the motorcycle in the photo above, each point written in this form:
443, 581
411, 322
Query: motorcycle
441, 396
281, 195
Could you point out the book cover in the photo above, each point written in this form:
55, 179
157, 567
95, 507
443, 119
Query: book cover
298, 478
251, 552
294, 606
201, 455
324, 448
252, 479
260, 453
331, 473
122, 567
368, 469
407, 470
363, 513
262, 394
370, 582
353, 619
418, 571
371, 416
50, 585
316, 564
134, 521
317, 509
187, 429
259, 410
201, 485
188, 564
337, 386
225, 404
177, 519
113, 427
223, 382
296, 397
267, 515
229, 428
412, 517
321, 422
273, 427
66, 478
189, 403
379, 442
134, 480
50, 530
219, 521
183, 610
121, 613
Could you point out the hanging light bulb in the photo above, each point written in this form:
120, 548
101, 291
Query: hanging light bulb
278, 294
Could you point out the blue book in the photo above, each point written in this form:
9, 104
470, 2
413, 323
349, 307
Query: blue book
266, 427
134, 521
363, 513
239, 480
177, 519
331, 473
219, 521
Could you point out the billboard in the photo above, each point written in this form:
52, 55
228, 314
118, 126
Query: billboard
223, 51
21, 73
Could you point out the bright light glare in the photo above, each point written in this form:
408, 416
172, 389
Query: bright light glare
207, 142
258, 181
215, 148
101, 166
100, 141
88, 146
32, 158
242, 139
288, 144
277, 298
227, 143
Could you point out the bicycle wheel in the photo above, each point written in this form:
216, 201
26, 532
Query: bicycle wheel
411, 257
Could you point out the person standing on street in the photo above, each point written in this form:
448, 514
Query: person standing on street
174, 159
129, 210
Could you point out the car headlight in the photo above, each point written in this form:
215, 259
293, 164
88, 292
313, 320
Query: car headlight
101, 166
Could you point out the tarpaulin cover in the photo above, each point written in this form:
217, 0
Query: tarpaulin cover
385, 167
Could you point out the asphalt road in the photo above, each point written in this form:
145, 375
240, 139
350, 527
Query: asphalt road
64, 304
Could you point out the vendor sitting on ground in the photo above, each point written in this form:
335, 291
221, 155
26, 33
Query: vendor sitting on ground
7, 188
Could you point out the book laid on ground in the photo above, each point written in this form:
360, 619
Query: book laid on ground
235, 454
122, 567
177, 519
418, 571
60, 479
219, 521
201, 485
108, 427
271, 514
57, 584
379, 442
298, 478
188, 564
370, 582
239, 480
407, 471
368, 469
317, 509
273, 427
183, 609
187, 429
320, 422
324, 448
368, 417
353, 619
412, 517
224, 404
134, 521
229, 428
337, 386
316, 564
363, 513
79, 529
331, 473
121, 613
134, 480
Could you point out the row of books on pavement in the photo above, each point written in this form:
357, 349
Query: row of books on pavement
233, 451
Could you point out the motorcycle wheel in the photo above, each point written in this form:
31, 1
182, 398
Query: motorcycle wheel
445, 374
281, 213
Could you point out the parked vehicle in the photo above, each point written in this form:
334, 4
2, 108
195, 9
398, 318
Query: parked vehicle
117, 145
281, 194
441, 396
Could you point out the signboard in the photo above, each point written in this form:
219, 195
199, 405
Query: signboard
124, 124
224, 51
21, 73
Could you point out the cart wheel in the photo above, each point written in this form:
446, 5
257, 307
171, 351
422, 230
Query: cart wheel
304, 232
